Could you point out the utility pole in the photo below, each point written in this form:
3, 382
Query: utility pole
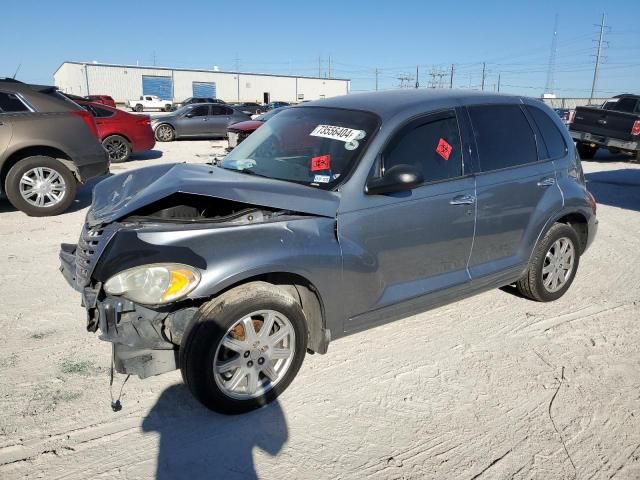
154, 58
550, 86
451, 77
598, 58
484, 67
377, 71
329, 66
417, 76
319, 66
237, 63
499, 75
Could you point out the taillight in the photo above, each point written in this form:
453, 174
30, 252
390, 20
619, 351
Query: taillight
572, 115
87, 118
592, 201
144, 121
635, 130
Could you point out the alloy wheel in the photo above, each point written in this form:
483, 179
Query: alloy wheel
42, 187
116, 148
558, 264
254, 355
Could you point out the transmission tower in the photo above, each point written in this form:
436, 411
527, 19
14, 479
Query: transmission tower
406, 81
550, 86
437, 78
601, 45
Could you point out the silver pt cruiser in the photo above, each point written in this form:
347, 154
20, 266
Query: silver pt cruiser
334, 217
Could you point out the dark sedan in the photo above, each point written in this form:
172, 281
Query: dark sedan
237, 132
197, 120
192, 100
250, 108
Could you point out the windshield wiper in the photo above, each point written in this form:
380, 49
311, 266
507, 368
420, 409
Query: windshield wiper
244, 170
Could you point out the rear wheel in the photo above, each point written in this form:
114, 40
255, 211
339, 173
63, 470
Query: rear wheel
244, 348
586, 151
118, 148
40, 186
138, 108
553, 265
165, 133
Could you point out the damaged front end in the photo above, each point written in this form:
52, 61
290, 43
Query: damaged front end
164, 219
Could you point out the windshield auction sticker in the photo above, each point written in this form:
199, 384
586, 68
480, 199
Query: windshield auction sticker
342, 134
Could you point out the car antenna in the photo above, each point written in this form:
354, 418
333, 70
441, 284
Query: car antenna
116, 405
17, 70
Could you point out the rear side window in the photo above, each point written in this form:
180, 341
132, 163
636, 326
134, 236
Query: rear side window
552, 137
503, 135
10, 103
433, 147
99, 112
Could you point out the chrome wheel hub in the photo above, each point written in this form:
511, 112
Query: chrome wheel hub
164, 133
558, 264
254, 355
42, 187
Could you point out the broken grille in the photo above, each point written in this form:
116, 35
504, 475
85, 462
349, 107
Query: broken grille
85, 253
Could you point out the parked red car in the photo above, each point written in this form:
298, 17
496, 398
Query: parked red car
121, 133
103, 99
237, 132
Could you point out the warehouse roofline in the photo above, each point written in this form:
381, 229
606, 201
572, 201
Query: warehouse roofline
152, 67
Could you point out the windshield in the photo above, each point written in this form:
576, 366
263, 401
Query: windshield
314, 146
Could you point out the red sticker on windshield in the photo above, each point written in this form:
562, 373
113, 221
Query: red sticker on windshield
323, 162
444, 149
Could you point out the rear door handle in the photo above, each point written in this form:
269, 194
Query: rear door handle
547, 182
463, 200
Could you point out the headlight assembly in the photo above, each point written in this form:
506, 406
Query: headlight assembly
154, 284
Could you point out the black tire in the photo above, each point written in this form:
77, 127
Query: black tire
586, 151
210, 326
167, 108
172, 133
15, 196
532, 284
118, 147
138, 108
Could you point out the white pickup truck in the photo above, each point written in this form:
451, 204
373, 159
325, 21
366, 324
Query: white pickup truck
150, 102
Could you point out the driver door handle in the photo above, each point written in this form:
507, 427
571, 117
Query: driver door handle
547, 182
463, 200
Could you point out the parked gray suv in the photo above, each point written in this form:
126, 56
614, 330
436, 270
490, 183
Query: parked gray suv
332, 218
48, 144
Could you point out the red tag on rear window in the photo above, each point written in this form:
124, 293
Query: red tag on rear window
323, 162
444, 149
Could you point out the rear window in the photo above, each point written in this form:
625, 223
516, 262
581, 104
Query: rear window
626, 105
553, 139
10, 103
503, 135
99, 112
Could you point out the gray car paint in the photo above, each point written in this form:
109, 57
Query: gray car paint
371, 258
211, 125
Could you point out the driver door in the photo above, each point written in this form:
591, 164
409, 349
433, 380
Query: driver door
195, 122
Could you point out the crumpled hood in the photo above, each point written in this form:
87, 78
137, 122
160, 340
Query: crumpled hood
121, 195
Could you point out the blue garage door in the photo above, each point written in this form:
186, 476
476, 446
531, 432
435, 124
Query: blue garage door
159, 86
204, 89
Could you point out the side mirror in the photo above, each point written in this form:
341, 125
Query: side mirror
397, 179
189, 115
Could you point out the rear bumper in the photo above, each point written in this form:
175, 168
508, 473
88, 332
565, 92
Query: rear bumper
93, 166
608, 142
143, 142
591, 232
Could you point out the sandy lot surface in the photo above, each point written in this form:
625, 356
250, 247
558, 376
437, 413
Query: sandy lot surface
495, 386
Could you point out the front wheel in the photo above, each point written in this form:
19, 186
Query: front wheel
553, 265
118, 148
138, 108
244, 348
40, 186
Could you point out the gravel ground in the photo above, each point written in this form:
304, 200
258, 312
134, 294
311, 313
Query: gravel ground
495, 386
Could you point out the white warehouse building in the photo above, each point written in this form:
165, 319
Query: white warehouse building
124, 82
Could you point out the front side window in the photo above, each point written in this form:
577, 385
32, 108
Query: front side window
503, 136
216, 110
432, 147
314, 146
201, 111
10, 103
553, 139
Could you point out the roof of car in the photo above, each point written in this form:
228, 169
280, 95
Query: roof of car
391, 102
18, 86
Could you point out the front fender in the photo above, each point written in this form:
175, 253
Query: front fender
228, 255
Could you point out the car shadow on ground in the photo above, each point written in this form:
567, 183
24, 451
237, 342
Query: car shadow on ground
147, 155
617, 188
197, 443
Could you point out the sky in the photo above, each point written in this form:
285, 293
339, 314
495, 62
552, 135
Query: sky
513, 39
